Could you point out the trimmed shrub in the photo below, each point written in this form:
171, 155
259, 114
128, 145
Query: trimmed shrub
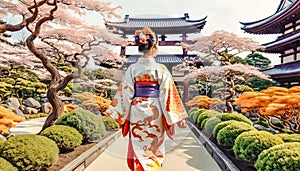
221, 125
110, 123
213, 121
248, 145
65, 137
6, 166
89, 125
194, 115
30, 152
285, 157
204, 115
192, 110
237, 117
228, 134
289, 137
203, 123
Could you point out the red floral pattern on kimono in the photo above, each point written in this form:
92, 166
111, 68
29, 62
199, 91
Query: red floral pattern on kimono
144, 119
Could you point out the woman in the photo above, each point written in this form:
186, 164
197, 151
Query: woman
147, 105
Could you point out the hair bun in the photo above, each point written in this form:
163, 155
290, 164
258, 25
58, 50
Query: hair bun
145, 39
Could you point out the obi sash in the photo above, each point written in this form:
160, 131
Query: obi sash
146, 89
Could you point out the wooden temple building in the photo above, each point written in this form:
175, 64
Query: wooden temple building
286, 22
162, 26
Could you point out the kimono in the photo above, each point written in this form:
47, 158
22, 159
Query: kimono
146, 118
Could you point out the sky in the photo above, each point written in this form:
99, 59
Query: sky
221, 14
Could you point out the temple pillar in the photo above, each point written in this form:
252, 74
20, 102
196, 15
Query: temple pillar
123, 51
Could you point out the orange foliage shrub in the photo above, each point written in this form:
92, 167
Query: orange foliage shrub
279, 102
204, 102
90, 100
8, 119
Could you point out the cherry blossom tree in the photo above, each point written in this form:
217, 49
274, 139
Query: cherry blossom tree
57, 29
229, 75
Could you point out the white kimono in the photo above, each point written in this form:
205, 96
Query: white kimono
147, 118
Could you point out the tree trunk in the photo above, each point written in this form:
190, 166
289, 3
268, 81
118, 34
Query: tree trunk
57, 107
228, 98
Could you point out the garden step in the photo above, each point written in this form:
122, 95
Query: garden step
184, 153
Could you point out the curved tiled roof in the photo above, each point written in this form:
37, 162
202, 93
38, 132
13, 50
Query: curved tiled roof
159, 25
274, 46
286, 11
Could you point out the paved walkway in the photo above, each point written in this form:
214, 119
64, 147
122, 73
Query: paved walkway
185, 153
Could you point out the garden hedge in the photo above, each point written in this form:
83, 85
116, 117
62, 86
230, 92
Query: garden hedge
248, 145
205, 115
283, 157
228, 134
213, 121
65, 137
221, 125
89, 125
6, 166
110, 123
29, 152
289, 137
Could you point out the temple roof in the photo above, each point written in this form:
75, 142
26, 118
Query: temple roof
284, 43
287, 11
160, 25
163, 59
284, 70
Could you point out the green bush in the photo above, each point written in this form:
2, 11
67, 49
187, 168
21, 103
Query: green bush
203, 123
221, 125
204, 115
213, 121
110, 123
237, 117
89, 125
289, 137
6, 166
283, 157
248, 145
228, 134
65, 137
29, 152
195, 114
192, 110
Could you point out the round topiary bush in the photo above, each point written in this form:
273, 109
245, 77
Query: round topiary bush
192, 110
284, 157
237, 117
194, 115
89, 125
248, 145
29, 152
6, 166
110, 123
289, 137
228, 134
205, 115
211, 123
221, 125
214, 120
65, 137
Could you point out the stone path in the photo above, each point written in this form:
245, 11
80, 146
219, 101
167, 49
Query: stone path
185, 153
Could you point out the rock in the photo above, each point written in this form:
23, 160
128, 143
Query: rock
46, 108
23, 108
14, 102
262, 128
31, 102
17, 111
30, 110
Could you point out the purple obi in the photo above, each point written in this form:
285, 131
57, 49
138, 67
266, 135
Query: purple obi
146, 89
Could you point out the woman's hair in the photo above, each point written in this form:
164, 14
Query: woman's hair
146, 40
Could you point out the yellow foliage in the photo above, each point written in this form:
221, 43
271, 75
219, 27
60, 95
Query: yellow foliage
204, 102
93, 101
272, 101
70, 107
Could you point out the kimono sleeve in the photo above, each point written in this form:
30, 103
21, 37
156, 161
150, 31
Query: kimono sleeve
121, 103
170, 100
